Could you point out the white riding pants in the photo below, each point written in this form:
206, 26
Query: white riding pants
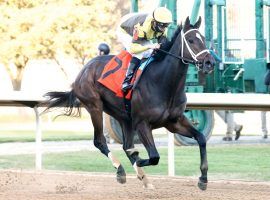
228, 118
264, 127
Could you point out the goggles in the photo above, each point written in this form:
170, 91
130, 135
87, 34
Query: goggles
162, 25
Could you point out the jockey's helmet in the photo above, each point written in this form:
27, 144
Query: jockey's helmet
104, 49
162, 19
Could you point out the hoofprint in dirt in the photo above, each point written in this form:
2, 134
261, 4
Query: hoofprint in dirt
45, 185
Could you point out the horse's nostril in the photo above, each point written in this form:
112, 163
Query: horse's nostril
208, 63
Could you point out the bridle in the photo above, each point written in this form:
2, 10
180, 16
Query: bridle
193, 55
185, 60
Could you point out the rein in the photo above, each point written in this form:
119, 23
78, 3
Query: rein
179, 57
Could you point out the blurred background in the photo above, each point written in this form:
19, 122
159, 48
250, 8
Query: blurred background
45, 43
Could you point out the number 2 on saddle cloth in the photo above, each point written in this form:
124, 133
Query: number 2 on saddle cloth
115, 70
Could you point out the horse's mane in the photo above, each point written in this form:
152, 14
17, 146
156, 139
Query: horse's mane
176, 33
166, 44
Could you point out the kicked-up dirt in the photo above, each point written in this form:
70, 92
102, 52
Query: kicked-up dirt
51, 185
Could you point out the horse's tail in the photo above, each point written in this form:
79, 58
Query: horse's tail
68, 100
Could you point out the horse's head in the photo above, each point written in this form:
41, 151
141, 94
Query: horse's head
194, 48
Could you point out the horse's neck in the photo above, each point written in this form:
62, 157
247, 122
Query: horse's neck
174, 70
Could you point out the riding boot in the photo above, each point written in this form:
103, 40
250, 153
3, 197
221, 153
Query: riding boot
133, 65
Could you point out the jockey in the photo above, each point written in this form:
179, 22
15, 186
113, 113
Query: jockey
103, 49
136, 33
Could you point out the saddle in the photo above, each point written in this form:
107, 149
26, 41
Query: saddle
114, 73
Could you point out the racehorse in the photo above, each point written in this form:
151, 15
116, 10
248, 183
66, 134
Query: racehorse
158, 100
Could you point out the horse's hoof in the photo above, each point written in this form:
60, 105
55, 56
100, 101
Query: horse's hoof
121, 179
146, 183
149, 186
121, 175
202, 185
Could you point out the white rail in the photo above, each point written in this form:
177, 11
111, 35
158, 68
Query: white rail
22, 99
202, 101
228, 101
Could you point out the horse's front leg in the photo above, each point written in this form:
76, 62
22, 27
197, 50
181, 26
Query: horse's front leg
133, 154
183, 127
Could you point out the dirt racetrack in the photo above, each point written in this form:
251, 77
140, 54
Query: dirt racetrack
45, 185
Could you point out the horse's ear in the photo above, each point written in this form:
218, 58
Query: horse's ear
187, 24
198, 23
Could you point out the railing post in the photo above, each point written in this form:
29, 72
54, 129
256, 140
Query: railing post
38, 160
171, 162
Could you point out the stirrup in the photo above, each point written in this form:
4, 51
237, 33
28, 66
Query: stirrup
126, 87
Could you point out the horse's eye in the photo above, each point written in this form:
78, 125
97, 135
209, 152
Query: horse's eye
190, 41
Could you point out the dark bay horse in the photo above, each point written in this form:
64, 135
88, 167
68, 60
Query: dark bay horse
158, 100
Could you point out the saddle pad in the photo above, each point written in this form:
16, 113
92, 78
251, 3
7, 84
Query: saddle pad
114, 73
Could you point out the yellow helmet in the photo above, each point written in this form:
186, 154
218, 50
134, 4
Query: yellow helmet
163, 15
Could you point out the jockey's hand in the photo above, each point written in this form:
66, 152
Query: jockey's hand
154, 46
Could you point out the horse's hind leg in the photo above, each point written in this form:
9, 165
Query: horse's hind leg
100, 140
133, 154
183, 127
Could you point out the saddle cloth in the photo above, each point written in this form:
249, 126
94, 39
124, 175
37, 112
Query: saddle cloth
114, 73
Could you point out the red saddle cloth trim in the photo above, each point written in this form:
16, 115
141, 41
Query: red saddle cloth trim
114, 73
